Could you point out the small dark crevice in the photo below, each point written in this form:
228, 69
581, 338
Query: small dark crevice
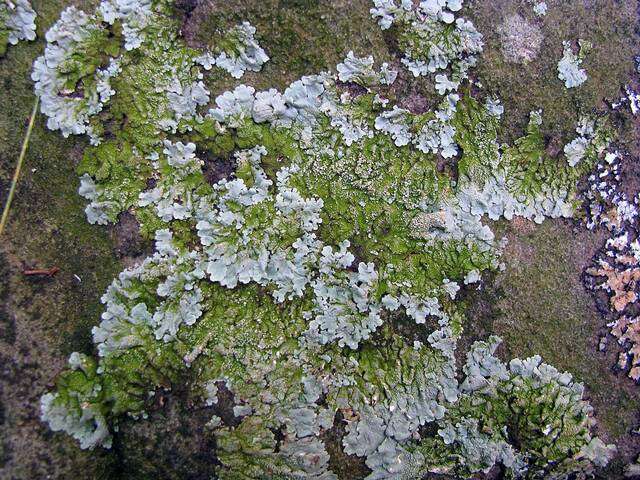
216, 168
343, 465
128, 241
224, 407
279, 436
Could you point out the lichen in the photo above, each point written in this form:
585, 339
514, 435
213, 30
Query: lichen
236, 52
288, 280
539, 8
17, 22
520, 39
76, 408
569, 70
512, 430
616, 269
431, 38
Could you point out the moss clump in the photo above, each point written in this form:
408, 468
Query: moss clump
549, 259
287, 283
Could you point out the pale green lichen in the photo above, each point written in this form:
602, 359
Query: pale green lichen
432, 39
77, 407
17, 22
288, 281
569, 70
236, 52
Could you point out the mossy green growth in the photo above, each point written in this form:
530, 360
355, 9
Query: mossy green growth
4, 31
521, 179
117, 166
367, 229
527, 414
526, 162
94, 53
140, 102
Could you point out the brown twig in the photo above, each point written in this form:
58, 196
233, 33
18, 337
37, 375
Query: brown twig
48, 272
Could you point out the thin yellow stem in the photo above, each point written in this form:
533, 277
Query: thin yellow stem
16, 174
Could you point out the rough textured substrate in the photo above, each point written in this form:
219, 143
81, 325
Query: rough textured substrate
538, 304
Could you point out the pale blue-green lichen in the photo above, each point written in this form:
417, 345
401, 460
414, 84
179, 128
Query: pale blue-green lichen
540, 8
569, 70
237, 52
432, 39
547, 439
360, 70
17, 22
76, 408
289, 281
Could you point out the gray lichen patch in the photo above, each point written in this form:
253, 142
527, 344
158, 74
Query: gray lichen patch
17, 22
283, 282
521, 40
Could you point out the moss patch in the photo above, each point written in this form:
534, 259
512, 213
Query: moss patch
44, 318
609, 25
541, 307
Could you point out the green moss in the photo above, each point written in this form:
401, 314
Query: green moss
526, 162
4, 32
560, 321
47, 227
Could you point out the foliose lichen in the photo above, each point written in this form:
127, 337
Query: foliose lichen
569, 70
616, 268
431, 38
539, 8
288, 280
17, 22
237, 52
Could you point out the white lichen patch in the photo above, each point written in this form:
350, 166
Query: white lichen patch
129, 321
569, 70
539, 8
586, 141
321, 270
360, 70
432, 38
172, 197
17, 22
54, 77
520, 39
83, 420
74, 86
242, 235
237, 53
